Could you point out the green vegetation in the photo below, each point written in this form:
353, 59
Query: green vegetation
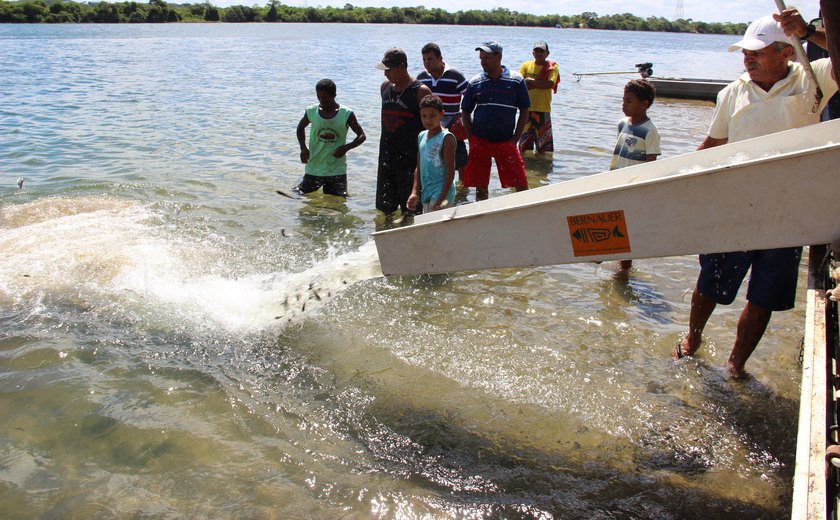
159, 11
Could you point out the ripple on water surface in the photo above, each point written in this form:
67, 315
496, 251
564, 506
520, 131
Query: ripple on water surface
181, 341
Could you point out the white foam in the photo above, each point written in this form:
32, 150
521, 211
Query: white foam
111, 254
257, 301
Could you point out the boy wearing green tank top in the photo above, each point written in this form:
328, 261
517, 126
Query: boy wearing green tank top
325, 158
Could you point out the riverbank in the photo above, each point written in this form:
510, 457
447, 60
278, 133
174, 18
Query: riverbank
159, 11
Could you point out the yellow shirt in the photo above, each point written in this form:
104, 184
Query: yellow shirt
540, 97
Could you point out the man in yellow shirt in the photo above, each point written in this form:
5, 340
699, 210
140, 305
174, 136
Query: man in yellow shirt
541, 76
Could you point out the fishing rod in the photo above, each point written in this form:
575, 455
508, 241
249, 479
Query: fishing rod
645, 69
803, 59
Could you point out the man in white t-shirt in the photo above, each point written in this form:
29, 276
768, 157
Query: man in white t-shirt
774, 94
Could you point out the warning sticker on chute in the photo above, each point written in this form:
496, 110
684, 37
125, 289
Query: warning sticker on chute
599, 233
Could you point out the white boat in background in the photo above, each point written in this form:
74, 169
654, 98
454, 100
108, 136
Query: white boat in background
688, 88
772, 191
671, 87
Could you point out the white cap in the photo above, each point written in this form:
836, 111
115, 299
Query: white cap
760, 34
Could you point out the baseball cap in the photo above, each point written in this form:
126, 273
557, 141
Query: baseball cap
491, 46
541, 45
760, 34
393, 58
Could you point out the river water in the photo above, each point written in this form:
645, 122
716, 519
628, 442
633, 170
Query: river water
179, 341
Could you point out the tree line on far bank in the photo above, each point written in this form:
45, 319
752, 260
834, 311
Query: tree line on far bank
159, 11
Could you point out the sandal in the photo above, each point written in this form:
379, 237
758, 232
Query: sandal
678, 353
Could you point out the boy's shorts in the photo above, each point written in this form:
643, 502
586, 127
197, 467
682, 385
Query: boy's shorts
772, 282
538, 133
333, 184
508, 162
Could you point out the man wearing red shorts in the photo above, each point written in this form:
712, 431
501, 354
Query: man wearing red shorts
489, 112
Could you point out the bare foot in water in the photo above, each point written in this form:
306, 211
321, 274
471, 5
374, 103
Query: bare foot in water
736, 372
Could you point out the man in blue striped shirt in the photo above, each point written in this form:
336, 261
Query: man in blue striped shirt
448, 84
489, 113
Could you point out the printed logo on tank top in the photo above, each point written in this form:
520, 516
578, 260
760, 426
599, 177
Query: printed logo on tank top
393, 119
433, 151
327, 135
397, 112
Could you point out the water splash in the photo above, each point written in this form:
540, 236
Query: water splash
302, 292
111, 253
254, 302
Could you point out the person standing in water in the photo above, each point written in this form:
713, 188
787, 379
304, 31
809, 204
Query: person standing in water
489, 112
401, 95
774, 94
542, 77
325, 157
638, 138
435, 173
449, 85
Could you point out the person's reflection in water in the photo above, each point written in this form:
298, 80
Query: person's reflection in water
326, 219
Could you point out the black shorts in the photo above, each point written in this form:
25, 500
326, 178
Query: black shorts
333, 184
772, 282
393, 187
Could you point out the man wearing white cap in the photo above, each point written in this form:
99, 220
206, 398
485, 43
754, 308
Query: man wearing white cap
774, 94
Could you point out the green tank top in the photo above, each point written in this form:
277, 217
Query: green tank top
325, 135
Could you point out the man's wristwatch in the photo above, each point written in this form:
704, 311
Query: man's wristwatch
811, 30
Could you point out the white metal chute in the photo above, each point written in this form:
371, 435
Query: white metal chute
771, 191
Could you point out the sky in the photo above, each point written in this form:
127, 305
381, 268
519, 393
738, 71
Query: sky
698, 10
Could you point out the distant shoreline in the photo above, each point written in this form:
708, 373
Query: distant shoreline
159, 11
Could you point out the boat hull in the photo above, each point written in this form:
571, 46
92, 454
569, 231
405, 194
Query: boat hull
688, 88
772, 191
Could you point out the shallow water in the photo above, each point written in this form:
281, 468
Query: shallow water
178, 340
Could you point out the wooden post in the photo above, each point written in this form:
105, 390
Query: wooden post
810, 499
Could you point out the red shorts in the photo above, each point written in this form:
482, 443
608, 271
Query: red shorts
508, 162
